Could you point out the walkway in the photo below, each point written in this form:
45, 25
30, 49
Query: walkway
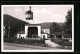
51, 44
12, 46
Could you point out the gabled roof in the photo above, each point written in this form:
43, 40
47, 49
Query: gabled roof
12, 19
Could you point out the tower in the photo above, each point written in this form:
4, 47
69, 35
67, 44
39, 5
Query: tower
31, 30
29, 16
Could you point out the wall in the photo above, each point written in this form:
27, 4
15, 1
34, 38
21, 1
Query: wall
21, 36
34, 25
42, 36
46, 31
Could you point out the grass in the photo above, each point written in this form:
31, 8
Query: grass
39, 42
63, 42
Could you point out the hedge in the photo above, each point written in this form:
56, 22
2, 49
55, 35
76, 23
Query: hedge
25, 41
62, 42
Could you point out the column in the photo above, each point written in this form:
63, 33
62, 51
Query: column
39, 30
26, 30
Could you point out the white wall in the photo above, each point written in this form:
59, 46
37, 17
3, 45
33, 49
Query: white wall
26, 30
39, 30
44, 35
21, 35
46, 31
38, 26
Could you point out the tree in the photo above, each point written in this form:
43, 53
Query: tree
68, 24
55, 28
13, 25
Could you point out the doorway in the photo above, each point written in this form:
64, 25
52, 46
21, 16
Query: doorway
32, 32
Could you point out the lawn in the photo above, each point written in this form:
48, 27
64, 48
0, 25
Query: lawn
63, 42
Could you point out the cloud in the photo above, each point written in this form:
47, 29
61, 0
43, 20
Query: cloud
45, 11
18, 10
54, 17
40, 13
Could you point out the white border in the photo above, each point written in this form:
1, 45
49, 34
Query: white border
36, 50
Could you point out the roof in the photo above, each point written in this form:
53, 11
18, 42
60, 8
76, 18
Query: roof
33, 24
11, 17
13, 20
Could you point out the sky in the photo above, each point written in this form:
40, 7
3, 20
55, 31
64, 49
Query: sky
41, 13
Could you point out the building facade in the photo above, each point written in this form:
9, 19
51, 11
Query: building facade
32, 30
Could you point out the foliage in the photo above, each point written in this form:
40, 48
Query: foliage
67, 27
62, 42
25, 41
55, 28
12, 25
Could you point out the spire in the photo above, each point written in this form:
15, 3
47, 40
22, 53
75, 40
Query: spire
29, 14
30, 8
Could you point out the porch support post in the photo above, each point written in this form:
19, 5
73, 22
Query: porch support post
26, 30
39, 30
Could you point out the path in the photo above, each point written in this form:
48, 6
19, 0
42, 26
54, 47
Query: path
51, 44
12, 46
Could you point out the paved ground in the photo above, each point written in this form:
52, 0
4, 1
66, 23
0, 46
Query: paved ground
51, 44
11, 46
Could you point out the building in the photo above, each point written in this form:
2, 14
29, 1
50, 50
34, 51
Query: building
20, 29
32, 30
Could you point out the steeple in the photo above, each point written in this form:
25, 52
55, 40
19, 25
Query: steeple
30, 8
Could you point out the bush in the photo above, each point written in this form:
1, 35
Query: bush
24, 41
62, 42
67, 43
57, 41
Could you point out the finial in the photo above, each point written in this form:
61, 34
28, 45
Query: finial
30, 8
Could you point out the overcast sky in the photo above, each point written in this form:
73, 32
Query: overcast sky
41, 13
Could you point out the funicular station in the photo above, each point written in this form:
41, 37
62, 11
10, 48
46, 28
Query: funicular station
32, 30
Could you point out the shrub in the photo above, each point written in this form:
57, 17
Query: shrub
58, 41
24, 41
62, 42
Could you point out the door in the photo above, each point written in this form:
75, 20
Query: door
32, 32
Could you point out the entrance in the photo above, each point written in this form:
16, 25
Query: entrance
32, 32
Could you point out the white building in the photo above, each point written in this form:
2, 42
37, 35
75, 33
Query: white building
32, 30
